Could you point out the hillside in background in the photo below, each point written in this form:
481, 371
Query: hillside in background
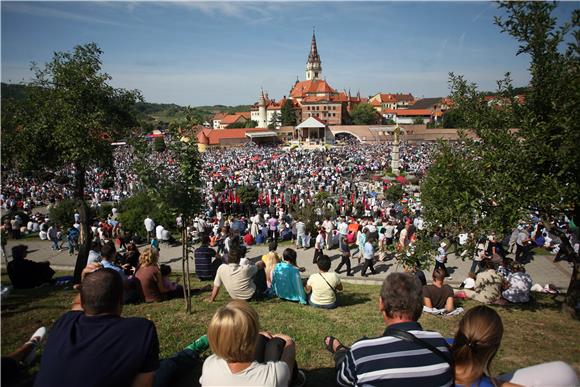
150, 114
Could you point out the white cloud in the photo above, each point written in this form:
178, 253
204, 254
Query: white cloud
34, 9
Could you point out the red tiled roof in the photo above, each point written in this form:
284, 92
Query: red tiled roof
214, 136
409, 112
219, 116
231, 118
246, 115
300, 89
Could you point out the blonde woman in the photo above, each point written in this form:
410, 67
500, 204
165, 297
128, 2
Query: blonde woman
244, 356
149, 275
272, 259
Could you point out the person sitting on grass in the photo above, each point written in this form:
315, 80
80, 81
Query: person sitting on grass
14, 364
323, 286
244, 356
488, 284
26, 274
438, 295
286, 281
242, 282
476, 343
126, 350
401, 356
518, 285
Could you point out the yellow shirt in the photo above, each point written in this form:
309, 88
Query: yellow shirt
322, 294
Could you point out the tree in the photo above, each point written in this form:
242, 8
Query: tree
274, 121
418, 121
251, 124
159, 144
394, 192
288, 113
70, 117
364, 114
506, 172
177, 192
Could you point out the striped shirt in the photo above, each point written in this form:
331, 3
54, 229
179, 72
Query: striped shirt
390, 361
203, 256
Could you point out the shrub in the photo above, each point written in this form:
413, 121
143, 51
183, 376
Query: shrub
219, 186
394, 192
63, 213
134, 210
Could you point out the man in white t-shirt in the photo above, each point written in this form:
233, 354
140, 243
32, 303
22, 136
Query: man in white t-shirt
149, 226
323, 286
343, 227
242, 282
319, 244
328, 227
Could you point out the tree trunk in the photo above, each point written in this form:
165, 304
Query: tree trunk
183, 247
573, 293
85, 234
187, 282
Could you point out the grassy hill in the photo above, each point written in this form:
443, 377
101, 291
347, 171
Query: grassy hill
150, 114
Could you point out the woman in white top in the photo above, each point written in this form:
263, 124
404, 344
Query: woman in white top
244, 356
323, 286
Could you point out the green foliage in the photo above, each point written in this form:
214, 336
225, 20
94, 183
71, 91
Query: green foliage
63, 213
219, 186
251, 124
389, 121
159, 144
275, 121
364, 114
394, 192
248, 194
452, 119
239, 125
321, 197
288, 113
104, 210
488, 184
418, 121
134, 210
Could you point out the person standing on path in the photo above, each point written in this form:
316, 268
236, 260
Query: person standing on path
319, 244
368, 255
345, 255
150, 227
328, 227
441, 259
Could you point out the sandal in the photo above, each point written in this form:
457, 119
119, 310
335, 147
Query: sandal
330, 344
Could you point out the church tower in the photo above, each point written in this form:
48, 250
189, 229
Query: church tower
263, 118
313, 66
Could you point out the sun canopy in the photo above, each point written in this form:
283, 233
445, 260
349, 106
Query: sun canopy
261, 134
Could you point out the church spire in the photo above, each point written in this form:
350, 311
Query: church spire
314, 65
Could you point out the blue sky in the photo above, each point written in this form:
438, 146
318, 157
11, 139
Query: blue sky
198, 53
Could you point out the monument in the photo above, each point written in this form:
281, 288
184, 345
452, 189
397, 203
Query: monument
395, 151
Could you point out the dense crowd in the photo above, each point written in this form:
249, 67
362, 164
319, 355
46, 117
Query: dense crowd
353, 219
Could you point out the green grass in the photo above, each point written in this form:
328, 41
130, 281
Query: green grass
534, 333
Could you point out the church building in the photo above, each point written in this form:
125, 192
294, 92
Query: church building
313, 97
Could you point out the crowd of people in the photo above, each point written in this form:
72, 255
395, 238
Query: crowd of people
355, 221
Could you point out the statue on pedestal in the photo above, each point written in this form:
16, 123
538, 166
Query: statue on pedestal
395, 151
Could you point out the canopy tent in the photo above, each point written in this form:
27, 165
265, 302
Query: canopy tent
261, 134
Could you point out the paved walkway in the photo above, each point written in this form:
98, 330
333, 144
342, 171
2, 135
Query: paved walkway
542, 268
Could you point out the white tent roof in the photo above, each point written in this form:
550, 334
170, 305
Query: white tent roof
311, 122
261, 134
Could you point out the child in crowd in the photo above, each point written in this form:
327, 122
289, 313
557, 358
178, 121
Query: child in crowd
167, 283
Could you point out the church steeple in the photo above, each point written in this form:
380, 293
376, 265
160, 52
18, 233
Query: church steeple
314, 65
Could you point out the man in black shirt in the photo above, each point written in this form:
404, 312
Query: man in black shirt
438, 295
97, 347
